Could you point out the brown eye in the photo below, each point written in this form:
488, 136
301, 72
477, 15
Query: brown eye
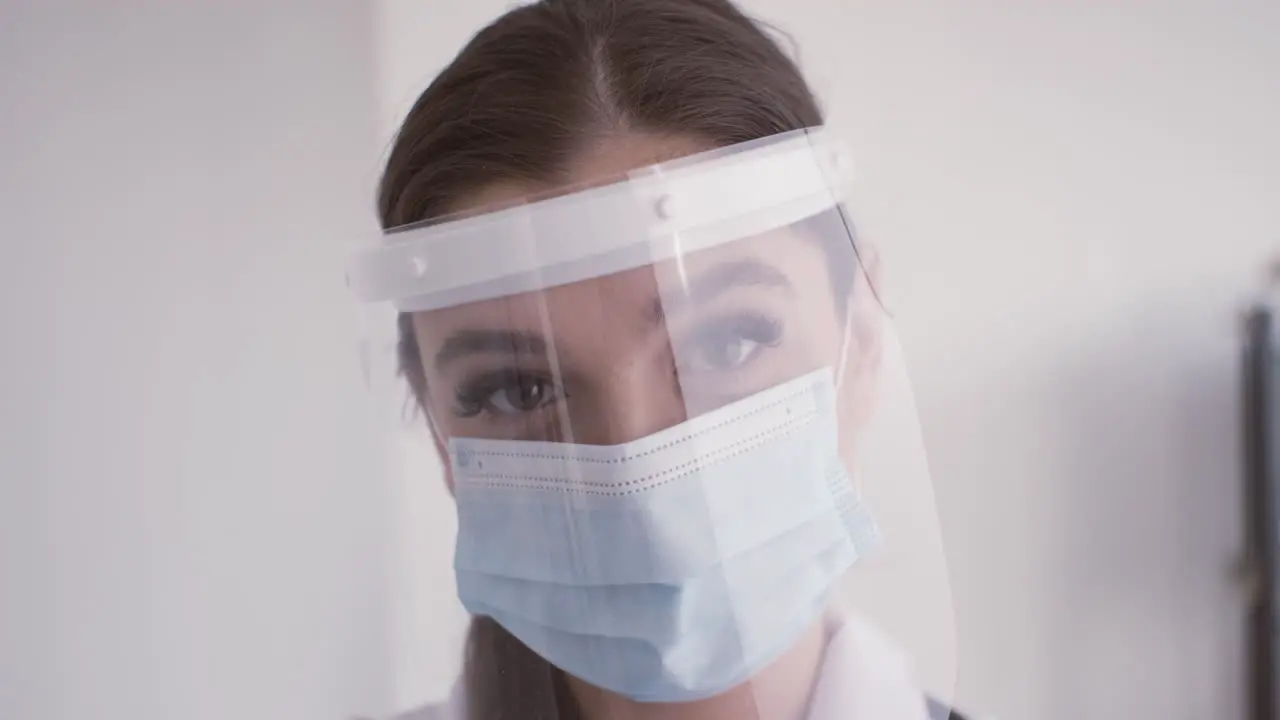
524, 394
506, 393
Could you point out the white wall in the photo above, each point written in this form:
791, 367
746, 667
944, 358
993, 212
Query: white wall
1075, 201
193, 507
1078, 201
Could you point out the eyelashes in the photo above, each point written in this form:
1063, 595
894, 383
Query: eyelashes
728, 345
715, 351
509, 391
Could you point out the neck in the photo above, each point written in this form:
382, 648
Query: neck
779, 692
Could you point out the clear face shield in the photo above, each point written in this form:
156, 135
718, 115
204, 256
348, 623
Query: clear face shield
677, 426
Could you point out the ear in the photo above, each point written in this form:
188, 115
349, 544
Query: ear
863, 344
871, 272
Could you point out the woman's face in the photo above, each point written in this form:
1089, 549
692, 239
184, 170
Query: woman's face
612, 359
617, 358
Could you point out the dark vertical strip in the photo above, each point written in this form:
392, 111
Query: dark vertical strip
1262, 512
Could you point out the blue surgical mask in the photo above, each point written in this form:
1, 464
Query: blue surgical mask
673, 567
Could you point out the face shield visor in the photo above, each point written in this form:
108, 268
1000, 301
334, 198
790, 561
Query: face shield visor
675, 419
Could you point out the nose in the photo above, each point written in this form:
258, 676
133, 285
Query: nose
630, 402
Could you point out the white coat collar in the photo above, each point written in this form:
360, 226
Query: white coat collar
865, 675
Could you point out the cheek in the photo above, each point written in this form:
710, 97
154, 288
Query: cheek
435, 422
448, 474
445, 465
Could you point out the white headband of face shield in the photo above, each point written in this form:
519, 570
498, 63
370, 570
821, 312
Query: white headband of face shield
658, 213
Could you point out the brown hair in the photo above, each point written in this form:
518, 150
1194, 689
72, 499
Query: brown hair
525, 94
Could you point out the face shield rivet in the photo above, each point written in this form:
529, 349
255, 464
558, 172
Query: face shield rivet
663, 207
419, 267
840, 163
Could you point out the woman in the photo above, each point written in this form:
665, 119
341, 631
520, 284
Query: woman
645, 343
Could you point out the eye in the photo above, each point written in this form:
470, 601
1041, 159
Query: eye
506, 393
729, 345
525, 394
729, 354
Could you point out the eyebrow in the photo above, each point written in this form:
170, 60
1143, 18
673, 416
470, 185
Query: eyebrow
479, 342
717, 281
710, 284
